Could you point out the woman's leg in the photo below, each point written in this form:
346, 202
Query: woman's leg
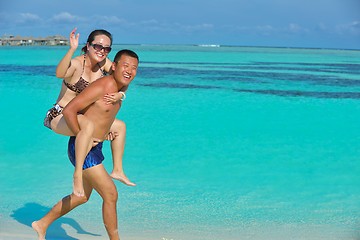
103, 184
83, 144
117, 150
64, 206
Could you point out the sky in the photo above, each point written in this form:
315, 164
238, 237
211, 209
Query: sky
271, 23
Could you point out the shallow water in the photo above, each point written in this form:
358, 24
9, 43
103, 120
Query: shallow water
223, 143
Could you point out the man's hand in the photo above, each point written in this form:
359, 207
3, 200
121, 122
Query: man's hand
112, 135
95, 141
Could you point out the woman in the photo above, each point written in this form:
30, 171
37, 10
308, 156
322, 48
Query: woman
77, 74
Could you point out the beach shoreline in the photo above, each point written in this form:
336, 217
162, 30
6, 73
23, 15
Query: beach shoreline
14, 231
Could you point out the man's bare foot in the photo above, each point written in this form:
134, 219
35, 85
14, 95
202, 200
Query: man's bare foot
78, 188
122, 178
40, 232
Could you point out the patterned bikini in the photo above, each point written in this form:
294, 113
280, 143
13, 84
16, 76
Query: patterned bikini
78, 87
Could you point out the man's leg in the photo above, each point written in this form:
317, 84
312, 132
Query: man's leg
103, 184
64, 206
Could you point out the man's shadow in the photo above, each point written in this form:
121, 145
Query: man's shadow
34, 211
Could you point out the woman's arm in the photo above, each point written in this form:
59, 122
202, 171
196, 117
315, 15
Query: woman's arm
65, 63
107, 66
111, 98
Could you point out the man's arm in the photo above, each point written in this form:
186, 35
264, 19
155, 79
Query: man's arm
87, 97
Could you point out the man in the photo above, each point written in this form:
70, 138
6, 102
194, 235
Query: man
90, 103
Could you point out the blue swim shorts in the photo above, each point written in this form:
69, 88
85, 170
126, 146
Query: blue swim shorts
94, 157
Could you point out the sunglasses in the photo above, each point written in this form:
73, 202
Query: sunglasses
99, 47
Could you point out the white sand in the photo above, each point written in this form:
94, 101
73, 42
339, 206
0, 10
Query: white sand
16, 231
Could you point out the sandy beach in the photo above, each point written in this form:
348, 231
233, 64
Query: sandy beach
16, 231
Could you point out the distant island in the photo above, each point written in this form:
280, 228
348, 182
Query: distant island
11, 40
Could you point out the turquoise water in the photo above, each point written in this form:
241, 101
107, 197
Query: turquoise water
223, 143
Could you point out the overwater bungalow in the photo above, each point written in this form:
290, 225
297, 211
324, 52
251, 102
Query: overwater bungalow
10, 40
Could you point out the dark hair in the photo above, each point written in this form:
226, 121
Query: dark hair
126, 52
95, 33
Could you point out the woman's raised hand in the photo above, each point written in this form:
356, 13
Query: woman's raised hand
74, 39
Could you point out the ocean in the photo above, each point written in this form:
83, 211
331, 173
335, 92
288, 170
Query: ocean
224, 143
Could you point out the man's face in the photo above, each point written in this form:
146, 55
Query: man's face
125, 69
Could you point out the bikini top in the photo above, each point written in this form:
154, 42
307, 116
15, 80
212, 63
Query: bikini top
80, 85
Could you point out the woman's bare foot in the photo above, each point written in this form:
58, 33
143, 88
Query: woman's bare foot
122, 178
40, 232
78, 188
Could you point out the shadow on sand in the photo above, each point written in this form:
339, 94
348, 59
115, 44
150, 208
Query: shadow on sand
34, 211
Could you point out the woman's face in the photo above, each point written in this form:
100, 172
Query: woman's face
99, 48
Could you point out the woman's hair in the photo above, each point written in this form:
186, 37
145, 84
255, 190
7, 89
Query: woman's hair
95, 33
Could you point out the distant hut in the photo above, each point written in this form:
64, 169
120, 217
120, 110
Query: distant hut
57, 40
11, 40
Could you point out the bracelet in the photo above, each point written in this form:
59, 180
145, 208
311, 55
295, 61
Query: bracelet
123, 95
